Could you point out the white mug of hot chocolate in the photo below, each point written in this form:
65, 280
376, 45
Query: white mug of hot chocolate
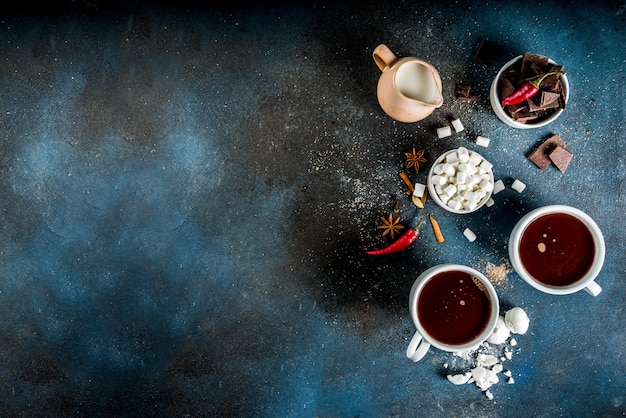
454, 308
558, 249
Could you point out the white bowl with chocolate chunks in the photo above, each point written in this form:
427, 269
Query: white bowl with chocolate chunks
529, 91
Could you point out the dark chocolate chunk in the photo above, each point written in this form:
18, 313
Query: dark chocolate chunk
534, 63
540, 155
488, 51
561, 158
549, 100
506, 87
463, 93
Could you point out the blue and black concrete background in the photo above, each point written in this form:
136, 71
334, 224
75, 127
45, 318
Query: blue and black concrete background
187, 192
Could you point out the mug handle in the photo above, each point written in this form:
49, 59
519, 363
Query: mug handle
593, 288
383, 57
418, 347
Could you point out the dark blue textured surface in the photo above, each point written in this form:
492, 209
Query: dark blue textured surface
186, 194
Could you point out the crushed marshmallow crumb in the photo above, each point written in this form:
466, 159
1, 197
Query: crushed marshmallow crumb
482, 365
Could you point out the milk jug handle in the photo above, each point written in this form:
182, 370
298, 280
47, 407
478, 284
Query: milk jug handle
383, 57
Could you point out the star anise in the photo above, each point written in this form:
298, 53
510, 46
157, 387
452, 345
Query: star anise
391, 226
415, 159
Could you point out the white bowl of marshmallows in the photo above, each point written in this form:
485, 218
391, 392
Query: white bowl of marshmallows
461, 181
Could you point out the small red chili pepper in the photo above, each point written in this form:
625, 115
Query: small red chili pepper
403, 242
528, 90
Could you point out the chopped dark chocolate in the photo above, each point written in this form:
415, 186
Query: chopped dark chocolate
561, 158
506, 87
549, 100
542, 105
463, 93
533, 64
488, 52
544, 102
540, 156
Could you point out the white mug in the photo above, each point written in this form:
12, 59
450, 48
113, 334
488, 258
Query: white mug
583, 276
454, 308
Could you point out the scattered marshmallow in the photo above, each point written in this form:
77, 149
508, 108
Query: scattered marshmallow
419, 190
469, 234
444, 131
500, 333
518, 186
482, 141
517, 321
487, 360
484, 377
498, 186
457, 125
490, 202
460, 379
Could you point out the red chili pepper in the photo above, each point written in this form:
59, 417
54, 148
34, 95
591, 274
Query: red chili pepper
528, 90
403, 242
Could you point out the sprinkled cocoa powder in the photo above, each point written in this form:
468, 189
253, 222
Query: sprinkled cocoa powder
497, 275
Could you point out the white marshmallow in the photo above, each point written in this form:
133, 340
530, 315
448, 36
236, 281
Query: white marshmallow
449, 190
440, 180
481, 194
490, 202
470, 205
467, 168
419, 190
463, 154
454, 204
438, 169
473, 181
460, 379
475, 158
470, 196
517, 321
457, 125
469, 234
500, 333
444, 131
482, 141
452, 157
486, 165
486, 185
498, 186
518, 186
449, 169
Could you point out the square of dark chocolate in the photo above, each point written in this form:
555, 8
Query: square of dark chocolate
561, 158
540, 155
488, 51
